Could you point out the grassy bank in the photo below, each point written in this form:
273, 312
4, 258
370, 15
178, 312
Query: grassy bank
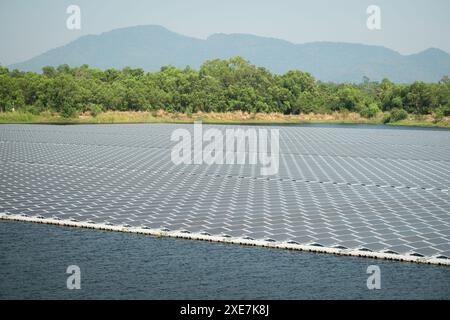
223, 118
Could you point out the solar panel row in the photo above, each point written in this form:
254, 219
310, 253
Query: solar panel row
383, 190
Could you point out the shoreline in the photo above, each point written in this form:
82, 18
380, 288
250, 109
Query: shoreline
237, 118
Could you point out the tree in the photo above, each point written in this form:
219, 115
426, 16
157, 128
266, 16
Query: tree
444, 80
349, 98
63, 94
49, 71
64, 69
419, 98
218, 85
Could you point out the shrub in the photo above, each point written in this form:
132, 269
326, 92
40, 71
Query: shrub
387, 118
46, 114
398, 114
446, 109
395, 115
369, 111
189, 111
441, 112
95, 109
30, 109
438, 116
68, 112
147, 108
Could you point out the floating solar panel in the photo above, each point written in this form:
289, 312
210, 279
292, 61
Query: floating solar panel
347, 190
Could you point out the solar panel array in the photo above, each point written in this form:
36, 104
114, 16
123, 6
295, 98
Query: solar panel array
383, 190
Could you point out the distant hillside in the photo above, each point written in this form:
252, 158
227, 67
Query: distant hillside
151, 47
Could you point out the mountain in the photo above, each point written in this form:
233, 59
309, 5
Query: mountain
151, 47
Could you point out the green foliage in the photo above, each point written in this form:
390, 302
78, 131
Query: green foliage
218, 86
446, 109
395, 115
30, 109
386, 118
49, 71
95, 109
398, 115
68, 111
439, 116
397, 103
419, 98
369, 111
441, 112
46, 114
349, 98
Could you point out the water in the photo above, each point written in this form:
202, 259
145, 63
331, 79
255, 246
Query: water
34, 258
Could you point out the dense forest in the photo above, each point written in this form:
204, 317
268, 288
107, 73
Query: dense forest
218, 85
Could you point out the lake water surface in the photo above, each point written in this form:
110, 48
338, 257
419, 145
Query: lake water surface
34, 258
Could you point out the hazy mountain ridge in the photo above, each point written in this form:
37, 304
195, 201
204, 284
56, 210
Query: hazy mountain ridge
151, 47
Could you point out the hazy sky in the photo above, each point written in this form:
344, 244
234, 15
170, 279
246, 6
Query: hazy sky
31, 27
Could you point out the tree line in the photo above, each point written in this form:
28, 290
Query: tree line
217, 86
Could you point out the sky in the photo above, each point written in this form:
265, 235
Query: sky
31, 27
